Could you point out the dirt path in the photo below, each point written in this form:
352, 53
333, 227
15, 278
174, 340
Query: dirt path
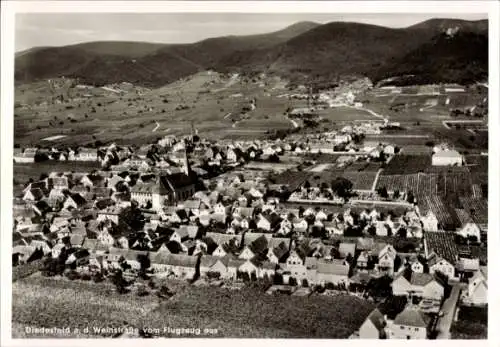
157, 126
376, 179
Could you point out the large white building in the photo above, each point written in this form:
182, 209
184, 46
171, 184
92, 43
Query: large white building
447, 158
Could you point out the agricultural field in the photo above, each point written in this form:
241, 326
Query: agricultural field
416, 150
344, 113
419, 184
477, 208
134, 116
461, 139
401, 138
472, 323
477, 163
363, 166
278, 316
445, 213
49, 302
360, 180
455, 183
407, 164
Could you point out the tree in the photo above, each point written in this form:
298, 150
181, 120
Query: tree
307, 185
382, 191
144, 263
402, 232
342, 187
278, 278
410, 197
292, 281
305, 283
123, 263
324, 186
380, 287
396, 194
164, 292
213, 275
274, 158
119, 282
372, 230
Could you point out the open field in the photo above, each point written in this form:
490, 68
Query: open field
407, 164
343, 113
136, 117
360, 180
45, 302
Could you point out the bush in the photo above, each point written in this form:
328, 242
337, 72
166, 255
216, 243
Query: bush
142, 291
213, 275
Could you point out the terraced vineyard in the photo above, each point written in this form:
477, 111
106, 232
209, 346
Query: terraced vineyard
407, 164
360, 180
445, 214
477, 208
419, 184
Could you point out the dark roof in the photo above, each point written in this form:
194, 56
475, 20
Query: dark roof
37, 193
421, 279
78, 199
258, 246
280, 251
443, 244
273, 218
392, 306
179, 180
412, 317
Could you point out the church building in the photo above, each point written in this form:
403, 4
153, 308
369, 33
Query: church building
167, 189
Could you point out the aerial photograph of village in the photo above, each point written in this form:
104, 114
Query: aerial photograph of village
246, 175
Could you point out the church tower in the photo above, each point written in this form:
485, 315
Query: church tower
185, 162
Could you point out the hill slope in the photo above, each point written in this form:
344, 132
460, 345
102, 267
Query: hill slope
462, 58
304, 50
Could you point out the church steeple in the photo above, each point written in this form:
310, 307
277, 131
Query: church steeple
185, 162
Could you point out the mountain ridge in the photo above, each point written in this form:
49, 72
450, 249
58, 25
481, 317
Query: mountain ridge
302, 50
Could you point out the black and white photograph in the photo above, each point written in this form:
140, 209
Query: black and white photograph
245, 174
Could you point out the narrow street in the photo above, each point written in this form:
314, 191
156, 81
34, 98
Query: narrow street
449, 308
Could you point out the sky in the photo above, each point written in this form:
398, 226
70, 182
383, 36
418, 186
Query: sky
60, 29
